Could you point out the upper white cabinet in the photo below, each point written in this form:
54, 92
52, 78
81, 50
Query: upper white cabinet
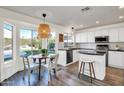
101, 33
77, 37
91, 36
121, 34
113, 35
83, 37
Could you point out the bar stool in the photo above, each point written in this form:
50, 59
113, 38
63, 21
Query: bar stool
91, 68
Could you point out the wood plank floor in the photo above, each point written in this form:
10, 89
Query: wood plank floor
66, 76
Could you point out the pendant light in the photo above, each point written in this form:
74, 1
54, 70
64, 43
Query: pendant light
43, 29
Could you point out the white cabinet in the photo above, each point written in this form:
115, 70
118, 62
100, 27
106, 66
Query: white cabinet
101, 33
113, 35
62, 57
83, 37
90, 37
116, 59
75, 55
77, 37
121, 35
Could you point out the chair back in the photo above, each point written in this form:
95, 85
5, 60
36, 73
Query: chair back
54, 60
26, 62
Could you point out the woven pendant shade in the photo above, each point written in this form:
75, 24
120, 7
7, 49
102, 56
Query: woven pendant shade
43, 31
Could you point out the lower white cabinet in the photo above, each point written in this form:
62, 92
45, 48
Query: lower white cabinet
62, 58
75, 55
116, 59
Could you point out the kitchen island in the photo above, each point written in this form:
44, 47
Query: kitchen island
99, 65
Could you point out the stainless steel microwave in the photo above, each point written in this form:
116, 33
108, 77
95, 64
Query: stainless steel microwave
102, 39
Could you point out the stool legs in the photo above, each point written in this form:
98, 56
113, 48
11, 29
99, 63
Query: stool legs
91, 69
80, 69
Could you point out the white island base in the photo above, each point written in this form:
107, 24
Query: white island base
99, 65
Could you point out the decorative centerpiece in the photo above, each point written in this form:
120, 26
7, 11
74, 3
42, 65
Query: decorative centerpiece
44, 52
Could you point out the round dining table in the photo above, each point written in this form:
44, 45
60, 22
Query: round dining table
39, 58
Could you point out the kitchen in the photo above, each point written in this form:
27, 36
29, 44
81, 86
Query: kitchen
107, 40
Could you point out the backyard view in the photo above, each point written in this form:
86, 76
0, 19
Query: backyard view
30, 45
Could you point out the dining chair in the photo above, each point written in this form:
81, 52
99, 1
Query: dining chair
51, 65
29, 65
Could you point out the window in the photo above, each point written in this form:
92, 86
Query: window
25, 42
8, 42
36, 44
29, 44
51, 43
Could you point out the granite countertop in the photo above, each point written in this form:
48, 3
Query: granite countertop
118, 50
64, 49
91, 53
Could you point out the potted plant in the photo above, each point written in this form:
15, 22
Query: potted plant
44, 52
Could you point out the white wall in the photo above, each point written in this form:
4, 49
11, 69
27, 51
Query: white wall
19, 21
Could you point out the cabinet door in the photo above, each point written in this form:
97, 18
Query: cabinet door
123, 61
121, 35
101, 33
77, 37
83, 37
90, 37
62, 58
113, 35
116, 59
75, 55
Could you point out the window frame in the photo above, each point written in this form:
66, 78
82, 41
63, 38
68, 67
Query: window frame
7, 23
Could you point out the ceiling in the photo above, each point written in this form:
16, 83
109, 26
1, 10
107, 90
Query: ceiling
72, 15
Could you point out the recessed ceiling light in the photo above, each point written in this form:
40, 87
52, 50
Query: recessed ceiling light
120, 7
97, 22
121, 17
81, 25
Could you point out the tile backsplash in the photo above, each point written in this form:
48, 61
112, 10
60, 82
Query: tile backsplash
93, 45
86, 45
113, 45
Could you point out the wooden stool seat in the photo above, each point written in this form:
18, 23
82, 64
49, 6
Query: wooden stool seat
91, 68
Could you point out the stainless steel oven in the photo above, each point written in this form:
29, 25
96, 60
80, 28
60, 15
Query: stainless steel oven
102, 39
